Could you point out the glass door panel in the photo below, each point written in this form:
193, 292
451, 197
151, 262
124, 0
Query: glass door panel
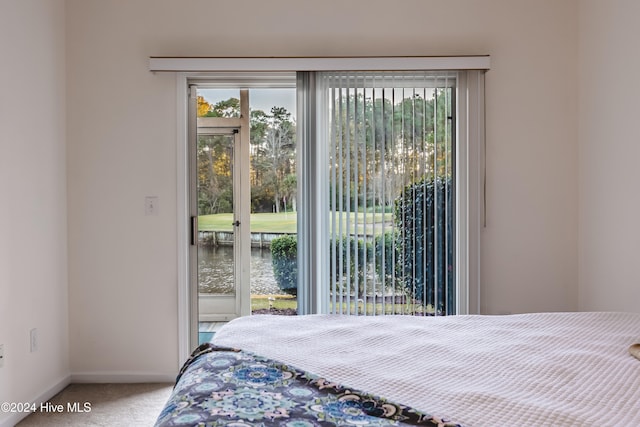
273, 180
216, 271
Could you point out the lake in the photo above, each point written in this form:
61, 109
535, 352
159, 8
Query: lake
215, 270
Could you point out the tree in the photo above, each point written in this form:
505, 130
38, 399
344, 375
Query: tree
272, 139
385, 142
214, 175
274, 152
261, 194
226, 108
203, 106
290, 190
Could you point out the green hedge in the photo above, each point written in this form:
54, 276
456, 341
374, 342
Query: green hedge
424, 262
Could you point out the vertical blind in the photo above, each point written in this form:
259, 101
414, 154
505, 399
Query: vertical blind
391, 201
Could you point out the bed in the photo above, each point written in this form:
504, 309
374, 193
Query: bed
541, 369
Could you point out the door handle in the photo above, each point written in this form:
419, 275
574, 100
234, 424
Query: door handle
236, 223
194, 230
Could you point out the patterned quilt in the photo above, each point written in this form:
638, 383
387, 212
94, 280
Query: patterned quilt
221, 386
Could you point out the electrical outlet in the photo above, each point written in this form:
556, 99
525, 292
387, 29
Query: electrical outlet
34, 340
1, 355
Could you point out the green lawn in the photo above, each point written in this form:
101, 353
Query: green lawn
285, 222
280, 302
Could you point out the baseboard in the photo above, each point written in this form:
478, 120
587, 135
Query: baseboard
41, 398
121, 377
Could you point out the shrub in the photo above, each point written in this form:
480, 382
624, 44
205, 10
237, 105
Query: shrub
352, 271
284, 259
386, 257
425, 263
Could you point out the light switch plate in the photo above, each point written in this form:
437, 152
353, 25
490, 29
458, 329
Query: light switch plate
151, 205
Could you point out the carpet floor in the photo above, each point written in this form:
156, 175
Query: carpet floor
104, 405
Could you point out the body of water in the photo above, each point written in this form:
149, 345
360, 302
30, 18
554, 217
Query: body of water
215, 271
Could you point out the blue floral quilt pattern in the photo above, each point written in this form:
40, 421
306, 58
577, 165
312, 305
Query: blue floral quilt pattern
227, 387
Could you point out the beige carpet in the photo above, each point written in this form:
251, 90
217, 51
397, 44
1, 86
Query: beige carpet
111, 405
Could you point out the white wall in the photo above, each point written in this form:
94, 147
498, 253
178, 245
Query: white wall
122, 145
609, 152
33, 207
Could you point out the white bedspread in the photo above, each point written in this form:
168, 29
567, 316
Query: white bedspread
543, 369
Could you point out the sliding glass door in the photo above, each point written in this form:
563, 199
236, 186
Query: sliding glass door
350, 198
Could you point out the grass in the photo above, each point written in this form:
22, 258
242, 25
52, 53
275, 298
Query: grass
285, 222
280, 302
